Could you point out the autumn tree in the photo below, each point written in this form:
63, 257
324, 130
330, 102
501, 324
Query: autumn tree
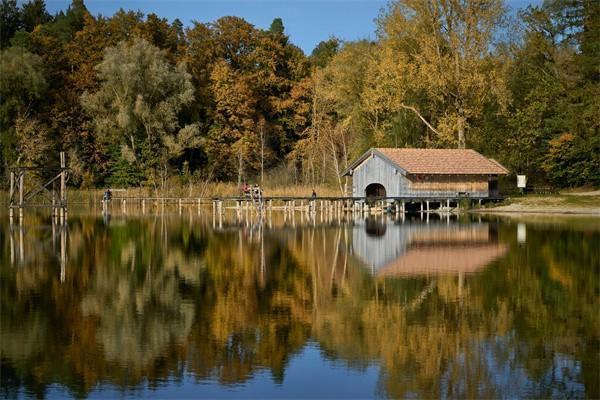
439, 64
338, 121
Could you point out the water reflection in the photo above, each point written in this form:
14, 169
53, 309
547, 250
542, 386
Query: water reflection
454, 308
417, 248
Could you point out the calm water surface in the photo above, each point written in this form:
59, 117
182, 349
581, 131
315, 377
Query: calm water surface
169, 305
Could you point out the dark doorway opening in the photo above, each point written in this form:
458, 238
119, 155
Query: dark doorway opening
493, 187
375, 190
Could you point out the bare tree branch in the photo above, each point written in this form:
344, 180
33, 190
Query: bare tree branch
411, 108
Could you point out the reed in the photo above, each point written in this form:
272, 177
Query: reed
204, 190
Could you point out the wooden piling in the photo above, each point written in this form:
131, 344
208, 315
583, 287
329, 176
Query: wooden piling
21, 188
11, 194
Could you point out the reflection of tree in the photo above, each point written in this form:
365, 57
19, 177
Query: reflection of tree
143, 299
251, 322
534, 310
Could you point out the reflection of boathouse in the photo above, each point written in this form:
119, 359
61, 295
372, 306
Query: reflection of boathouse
425, 249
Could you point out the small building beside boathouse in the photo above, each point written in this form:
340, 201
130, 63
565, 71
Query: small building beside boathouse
406, 172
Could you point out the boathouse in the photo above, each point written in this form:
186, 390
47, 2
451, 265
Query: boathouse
424, 173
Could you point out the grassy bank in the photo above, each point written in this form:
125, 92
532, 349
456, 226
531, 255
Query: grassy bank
587, 203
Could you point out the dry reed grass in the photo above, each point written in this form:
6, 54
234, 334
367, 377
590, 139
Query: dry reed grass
204, 190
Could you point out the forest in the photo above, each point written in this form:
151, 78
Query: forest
140, 101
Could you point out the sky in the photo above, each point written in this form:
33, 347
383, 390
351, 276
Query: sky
307, 22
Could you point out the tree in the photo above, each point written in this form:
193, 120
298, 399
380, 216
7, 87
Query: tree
277, 26
438, 54
340, 124
137, 105
10, 21
22, 84
233, 139
324, 51
33, 13
552, 119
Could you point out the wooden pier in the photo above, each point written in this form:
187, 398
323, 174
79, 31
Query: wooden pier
287, 204
51, 193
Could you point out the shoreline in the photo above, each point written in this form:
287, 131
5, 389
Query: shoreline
538, 211
584, 204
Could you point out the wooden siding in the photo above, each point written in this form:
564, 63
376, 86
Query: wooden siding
377, 170
476, 185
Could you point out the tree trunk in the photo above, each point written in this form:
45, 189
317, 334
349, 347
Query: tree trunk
133, 147
461, 132
240, 168
262, 154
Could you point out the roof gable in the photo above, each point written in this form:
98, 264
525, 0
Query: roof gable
372, 152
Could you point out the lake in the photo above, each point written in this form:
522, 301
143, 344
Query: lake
183, 304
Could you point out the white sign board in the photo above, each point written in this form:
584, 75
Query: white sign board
521, 181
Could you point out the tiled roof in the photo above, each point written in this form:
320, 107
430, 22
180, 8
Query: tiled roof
442, 161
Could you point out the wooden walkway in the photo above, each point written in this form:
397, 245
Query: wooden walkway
309, 204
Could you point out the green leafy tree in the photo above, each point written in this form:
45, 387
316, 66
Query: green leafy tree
33, 13
324, 51
277, 26
22, 85
137, 105
10, 21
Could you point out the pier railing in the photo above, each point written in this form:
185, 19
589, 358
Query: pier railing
298, 203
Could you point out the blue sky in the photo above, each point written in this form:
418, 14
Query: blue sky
307, 22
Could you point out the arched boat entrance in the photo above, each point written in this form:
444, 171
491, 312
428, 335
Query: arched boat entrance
375, 190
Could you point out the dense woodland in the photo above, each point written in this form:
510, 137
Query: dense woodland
137, 100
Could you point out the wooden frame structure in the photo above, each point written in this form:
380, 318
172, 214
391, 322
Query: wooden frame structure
55, 190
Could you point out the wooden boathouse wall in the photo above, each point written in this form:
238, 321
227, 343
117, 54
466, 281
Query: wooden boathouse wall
377, 170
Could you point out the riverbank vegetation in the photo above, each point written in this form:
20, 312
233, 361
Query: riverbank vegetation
139, 101
563, 203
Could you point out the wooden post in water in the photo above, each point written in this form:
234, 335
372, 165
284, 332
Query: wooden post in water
21, 188
63, 187
11, 194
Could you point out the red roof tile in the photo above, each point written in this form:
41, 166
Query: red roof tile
443, 161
